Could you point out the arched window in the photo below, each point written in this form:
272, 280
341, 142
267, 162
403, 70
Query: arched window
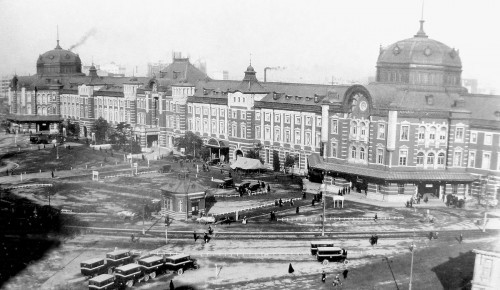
354, 128
432, 133
430, 158
440, 160
362, 153
353, 152
420, 158
363, 129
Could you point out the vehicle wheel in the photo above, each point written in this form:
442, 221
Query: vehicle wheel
130, 283
146, 278
110, 271
152, 275
180, 271
346, 262
325, 262
197, 266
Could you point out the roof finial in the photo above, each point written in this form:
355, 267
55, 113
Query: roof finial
58, 47
421, 32
250, 59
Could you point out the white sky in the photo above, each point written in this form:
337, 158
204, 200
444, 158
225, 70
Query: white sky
314, 40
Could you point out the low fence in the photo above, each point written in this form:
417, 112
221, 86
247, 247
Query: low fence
251, 208
313, 219
129, 174
30, 185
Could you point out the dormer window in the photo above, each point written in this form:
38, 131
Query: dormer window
429, 100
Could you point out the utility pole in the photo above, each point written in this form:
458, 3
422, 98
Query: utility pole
412, 249
143, 212
324, 208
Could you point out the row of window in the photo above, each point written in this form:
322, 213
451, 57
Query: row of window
430, 134
487, 140
213, 130
287, 118
213, 111
287, 137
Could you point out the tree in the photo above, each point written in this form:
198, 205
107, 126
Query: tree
289, 161
100, 129
191, 142
276, 160
254, 153
121, 134
205, 153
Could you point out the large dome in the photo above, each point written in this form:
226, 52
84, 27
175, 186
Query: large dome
59, 62
420, 61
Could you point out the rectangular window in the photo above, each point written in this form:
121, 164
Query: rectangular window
457, 158
276, 117
486, 161
297, 137
267, 117
197, 110
381, 131
401, 188
267, 134
318, 121
190, 109
233, 130
222, 112
287, 118
214, 127
308, 121
333, 149
454, 188
221, 127
233, 113
287, 136
205, 111
335, 126
214, 112
380, 156
472, 159
405, 133
297, 120
243, 132
318, 139
403, 157
277, 134
243, 115
257, 116
190, 124
459, 135
257, 132
488, 139
308, 138
473, 137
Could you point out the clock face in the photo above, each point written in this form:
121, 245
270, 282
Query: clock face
363, 105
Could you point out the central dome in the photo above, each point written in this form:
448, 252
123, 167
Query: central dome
419, 60
59, 62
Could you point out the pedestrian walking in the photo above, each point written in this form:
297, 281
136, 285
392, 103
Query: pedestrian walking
271, 216
313, 202
206, 238
291, 202
376, 239
290, 269
303, 195
372, 240
431, 235
195, 236
52, 173
281, 202
345, 273
460, 238
172, 287
210, 230
375, 218
268, 189
323, 277
297, 210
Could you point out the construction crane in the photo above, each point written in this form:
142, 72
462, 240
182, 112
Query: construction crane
271, 68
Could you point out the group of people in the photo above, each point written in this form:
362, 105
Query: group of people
345, 190
272, 216
336, 281
206, 237
374, 239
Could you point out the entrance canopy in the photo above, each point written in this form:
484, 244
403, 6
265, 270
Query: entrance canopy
316, 162
247, 164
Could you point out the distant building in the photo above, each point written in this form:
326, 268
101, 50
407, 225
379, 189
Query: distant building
154, 69
220, 75
110, 69
486, 270
470, 85
4, 85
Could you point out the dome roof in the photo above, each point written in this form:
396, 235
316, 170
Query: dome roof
419, 50
250, 68
58, 55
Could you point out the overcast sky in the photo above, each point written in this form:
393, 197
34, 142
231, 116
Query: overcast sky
313, 40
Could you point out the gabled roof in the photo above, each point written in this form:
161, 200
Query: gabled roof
183, 186
181, 70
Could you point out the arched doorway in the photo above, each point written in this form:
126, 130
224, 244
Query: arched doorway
238, 153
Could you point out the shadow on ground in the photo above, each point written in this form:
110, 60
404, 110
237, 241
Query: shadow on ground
456, 273
27, 232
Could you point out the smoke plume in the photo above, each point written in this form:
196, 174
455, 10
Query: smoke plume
84, 38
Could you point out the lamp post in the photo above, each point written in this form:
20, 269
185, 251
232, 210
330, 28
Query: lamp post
57, 152
412, 249
322, 190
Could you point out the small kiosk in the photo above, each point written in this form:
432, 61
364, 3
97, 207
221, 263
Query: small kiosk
183, 198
